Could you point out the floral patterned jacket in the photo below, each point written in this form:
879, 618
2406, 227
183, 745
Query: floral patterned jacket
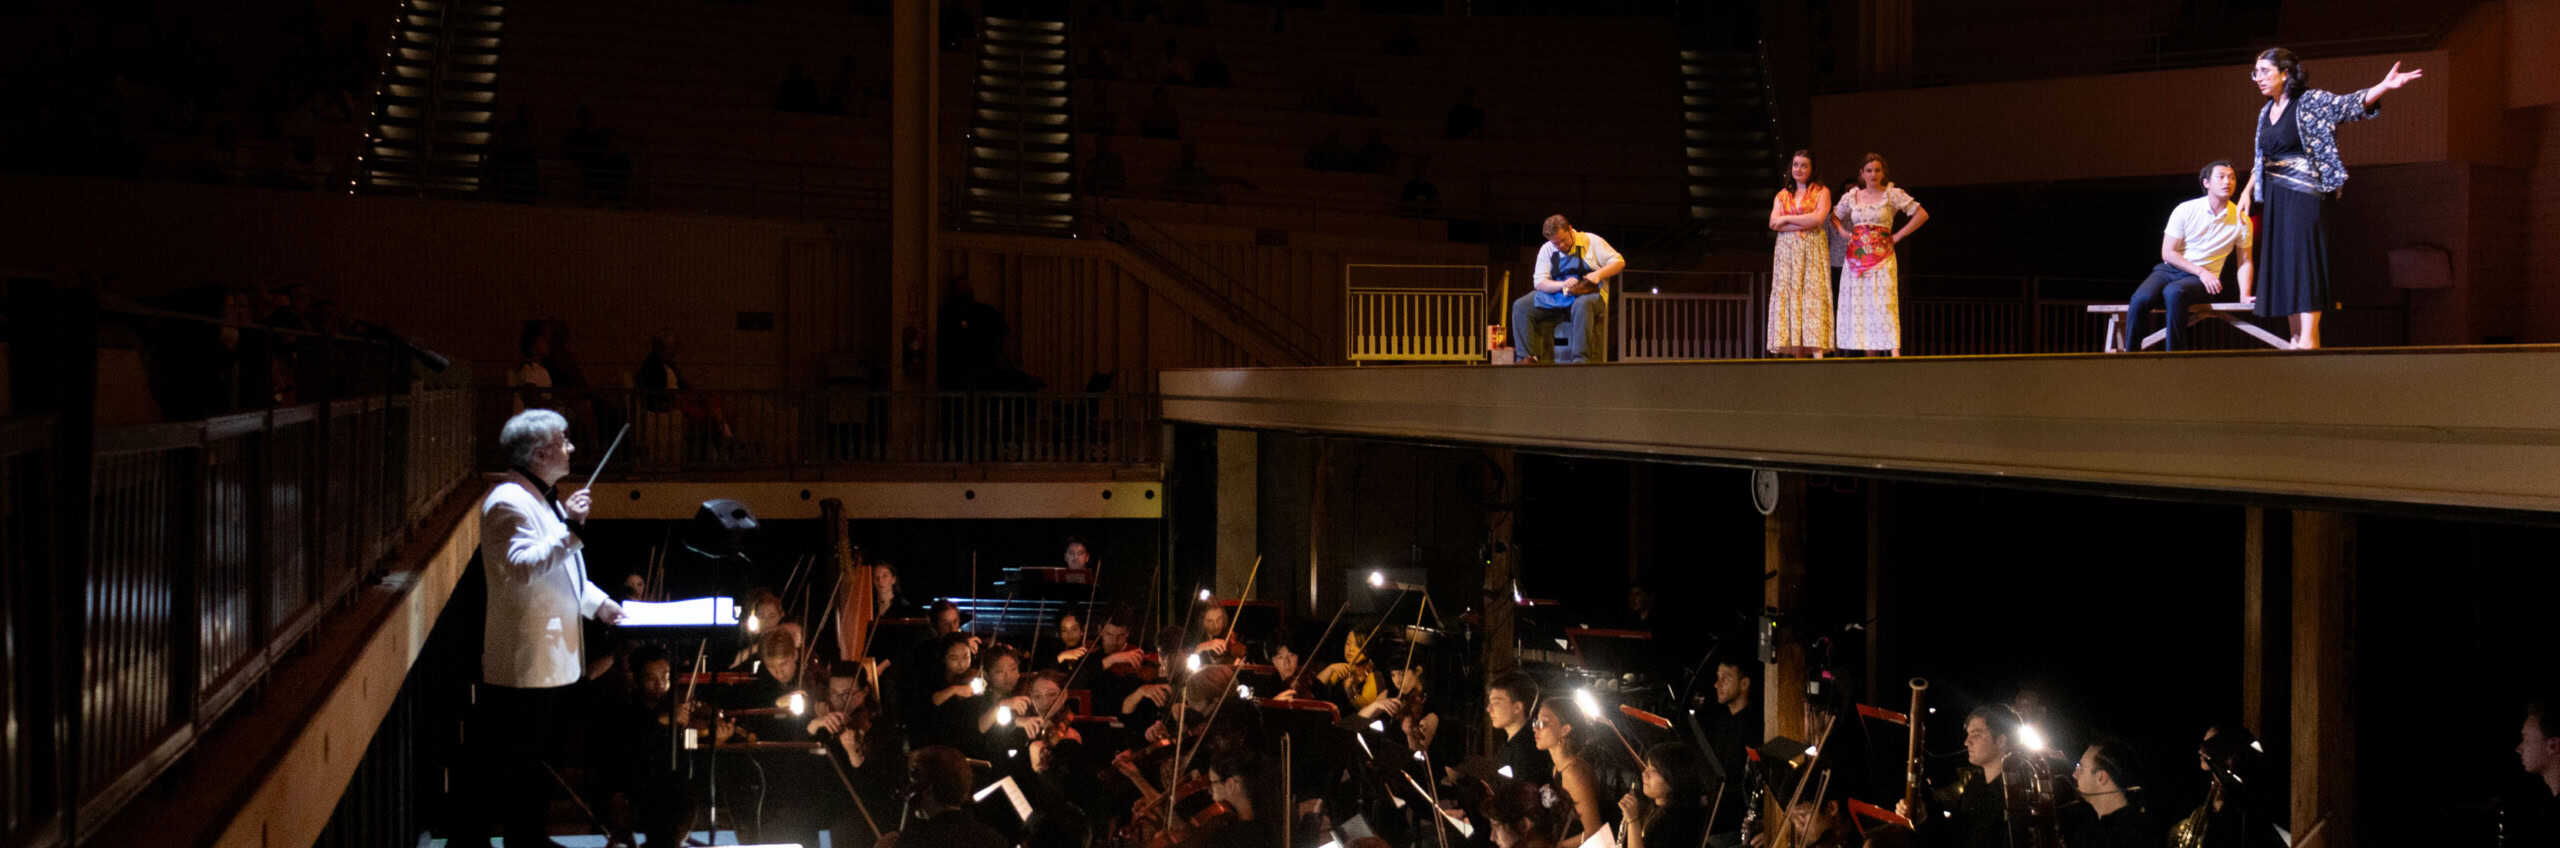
2317, 114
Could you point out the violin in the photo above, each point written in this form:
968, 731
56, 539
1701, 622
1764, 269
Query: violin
722, 678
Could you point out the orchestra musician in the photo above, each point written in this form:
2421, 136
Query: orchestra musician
1560, 733
636, 763
1980, 816
2535, 818
942, 718
1217, 633
1735, 726
1664, 811
1518, 816
1071, 646
2114, 816
1509, 702
1353, 683
2234, 814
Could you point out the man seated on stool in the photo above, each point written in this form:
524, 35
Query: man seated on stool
1565, 289
2201, 234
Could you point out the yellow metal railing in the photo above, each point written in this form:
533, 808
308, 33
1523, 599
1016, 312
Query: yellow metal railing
1416, 313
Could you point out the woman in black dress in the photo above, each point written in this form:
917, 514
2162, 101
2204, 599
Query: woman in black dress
2297, 172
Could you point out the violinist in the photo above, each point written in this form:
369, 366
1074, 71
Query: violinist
2114, 816
1216, 637
1055, 745
945, 717
1246, 803
638, 764
920, 671
1353, 683
1980, 817
1664, 811
777, 679
1071, 646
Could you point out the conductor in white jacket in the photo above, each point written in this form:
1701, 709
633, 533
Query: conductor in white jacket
532, 647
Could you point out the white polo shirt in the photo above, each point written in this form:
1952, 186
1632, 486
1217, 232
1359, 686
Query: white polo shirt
2209, 238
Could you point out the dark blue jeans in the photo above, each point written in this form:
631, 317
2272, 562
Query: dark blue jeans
2173, 289
1533, 327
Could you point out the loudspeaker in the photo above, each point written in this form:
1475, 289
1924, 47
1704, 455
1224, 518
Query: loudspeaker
720, 528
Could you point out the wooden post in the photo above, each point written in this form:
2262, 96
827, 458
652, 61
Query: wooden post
1501, 640
2323, 709
2264, 700
1316, 485
914, 58
1239, 510
1880, 591
1782, 549
1640, 522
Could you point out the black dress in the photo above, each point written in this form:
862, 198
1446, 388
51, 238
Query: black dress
2293, 249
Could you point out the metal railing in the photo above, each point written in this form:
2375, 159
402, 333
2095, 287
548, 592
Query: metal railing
1684, 315
694, 430
1416, 313
202, 551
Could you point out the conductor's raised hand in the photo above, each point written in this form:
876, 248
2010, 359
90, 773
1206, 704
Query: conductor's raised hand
579, 503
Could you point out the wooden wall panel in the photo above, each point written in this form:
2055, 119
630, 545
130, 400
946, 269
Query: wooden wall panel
459, 276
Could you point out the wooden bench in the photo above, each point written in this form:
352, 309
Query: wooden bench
2196, 314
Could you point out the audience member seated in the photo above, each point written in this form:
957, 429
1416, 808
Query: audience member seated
1160, 120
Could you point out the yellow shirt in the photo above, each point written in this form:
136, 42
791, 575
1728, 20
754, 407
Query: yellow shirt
1340, 675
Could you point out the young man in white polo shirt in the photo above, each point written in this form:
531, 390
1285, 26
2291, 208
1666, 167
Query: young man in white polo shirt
2201, 234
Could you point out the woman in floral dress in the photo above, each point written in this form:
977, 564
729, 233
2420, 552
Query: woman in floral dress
1800, 282
1870, 317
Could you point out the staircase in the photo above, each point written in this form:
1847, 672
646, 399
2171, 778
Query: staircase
1731, 151
431, 121
1021, 151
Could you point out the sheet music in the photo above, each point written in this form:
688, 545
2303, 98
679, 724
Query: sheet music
1012, 793
690, 612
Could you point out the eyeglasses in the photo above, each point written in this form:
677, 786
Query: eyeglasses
2262, 73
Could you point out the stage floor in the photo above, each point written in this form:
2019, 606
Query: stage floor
2465, 427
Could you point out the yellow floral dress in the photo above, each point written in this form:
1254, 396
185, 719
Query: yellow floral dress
1800, 281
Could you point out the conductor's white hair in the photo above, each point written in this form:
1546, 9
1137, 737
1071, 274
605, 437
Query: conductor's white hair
527, 432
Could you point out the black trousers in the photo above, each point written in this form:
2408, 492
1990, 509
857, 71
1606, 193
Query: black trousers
2173, 288
518, 732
